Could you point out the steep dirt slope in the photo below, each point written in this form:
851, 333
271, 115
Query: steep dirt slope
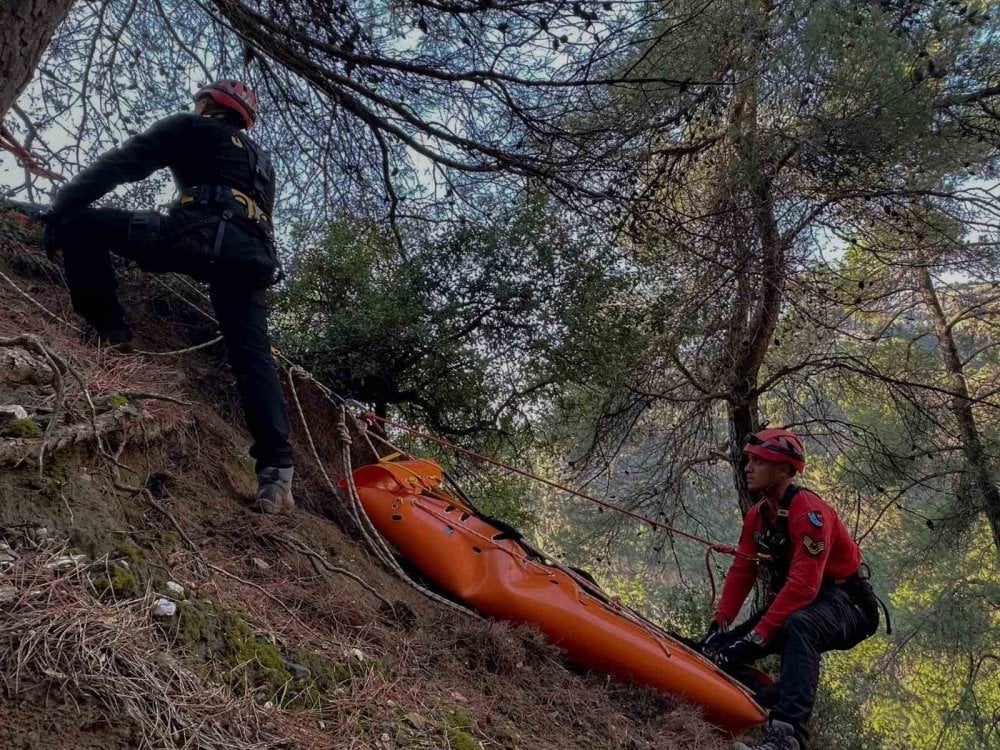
287, 634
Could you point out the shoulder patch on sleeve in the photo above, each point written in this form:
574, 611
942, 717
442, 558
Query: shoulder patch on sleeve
815, 518
813, 547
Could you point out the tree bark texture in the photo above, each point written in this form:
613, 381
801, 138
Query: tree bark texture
123, 420
759, 263
978, 465
26, 26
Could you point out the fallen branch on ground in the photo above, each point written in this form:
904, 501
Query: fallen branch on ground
142, 395
177, 352
322, 566
14, 451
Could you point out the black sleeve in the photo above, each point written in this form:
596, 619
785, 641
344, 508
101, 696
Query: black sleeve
134, 160
272, 185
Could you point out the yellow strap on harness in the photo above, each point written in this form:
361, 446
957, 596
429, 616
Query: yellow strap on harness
247, 202
253, 211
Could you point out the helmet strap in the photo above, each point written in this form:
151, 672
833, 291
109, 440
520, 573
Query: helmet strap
226, 115
775, 489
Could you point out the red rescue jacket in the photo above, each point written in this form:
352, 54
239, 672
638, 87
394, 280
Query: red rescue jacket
819, 549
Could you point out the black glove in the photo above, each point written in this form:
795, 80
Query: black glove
714, 639
50, 243
747, 649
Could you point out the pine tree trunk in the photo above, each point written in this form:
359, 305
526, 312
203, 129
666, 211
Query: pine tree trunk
977, 461
26, 26
762, 259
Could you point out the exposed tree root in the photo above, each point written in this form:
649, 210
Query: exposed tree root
126, 419
324, 567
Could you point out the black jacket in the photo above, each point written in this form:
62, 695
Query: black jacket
198, 151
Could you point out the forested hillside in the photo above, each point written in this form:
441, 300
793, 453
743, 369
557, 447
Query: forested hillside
603, 242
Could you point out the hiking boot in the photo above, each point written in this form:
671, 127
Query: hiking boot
114, 335
274, 489
780, 736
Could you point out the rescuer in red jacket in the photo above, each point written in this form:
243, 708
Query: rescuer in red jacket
818, 600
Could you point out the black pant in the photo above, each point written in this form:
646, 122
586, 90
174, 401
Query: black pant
88, 236
839, 618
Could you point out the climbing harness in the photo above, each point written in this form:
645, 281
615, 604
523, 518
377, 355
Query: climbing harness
238, 205
234, 199
775, 540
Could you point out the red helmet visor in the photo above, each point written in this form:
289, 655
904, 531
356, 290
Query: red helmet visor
772, 449
228, 100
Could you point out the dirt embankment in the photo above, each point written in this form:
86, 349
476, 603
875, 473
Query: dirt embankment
278, 631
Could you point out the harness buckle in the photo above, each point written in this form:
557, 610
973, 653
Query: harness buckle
247, 202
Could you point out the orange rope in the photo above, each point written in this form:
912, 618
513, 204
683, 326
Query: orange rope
9, 143
726, 549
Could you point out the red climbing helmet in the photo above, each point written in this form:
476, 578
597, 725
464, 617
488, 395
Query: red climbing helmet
779, 446
233, 95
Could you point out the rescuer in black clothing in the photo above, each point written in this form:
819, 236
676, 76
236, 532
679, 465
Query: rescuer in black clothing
219, 231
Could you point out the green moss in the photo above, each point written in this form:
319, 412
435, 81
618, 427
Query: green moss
117, 584
459, 739
131, 552
116, 399
456, 729
459, 718
255, 665
21, 428
324, 675
169, 538
197, 626
249, 664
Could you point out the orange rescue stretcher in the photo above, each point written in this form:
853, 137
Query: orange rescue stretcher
486, 566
